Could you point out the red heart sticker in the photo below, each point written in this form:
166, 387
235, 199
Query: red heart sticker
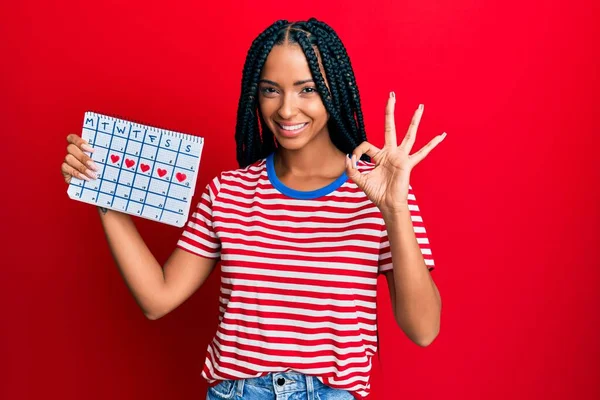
129, 162
114, 158
144, 167
161, 172
180, 177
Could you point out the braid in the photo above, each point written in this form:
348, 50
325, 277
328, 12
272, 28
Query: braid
247, 130
341, 100
340, 74
344, 68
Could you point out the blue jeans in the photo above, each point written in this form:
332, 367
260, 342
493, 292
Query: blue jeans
289, 385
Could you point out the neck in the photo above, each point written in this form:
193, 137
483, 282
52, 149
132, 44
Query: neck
317, 158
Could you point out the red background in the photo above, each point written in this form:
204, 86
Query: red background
510, 198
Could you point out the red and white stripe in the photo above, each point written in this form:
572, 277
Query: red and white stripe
298, 277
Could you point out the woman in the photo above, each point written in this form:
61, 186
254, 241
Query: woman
302, 230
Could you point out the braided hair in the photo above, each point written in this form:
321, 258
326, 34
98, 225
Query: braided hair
341, 99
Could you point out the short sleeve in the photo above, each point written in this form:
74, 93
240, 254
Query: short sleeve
385, 254
198, 236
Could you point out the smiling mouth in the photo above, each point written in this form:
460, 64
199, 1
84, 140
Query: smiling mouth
292, 128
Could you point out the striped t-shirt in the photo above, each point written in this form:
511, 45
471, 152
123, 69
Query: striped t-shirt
298, 275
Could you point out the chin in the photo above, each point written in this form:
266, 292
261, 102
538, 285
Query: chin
291, 144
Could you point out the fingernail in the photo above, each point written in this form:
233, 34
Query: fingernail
92, 165
87, 147
421, 106
392, 94
444, 135
90, 174
81, 176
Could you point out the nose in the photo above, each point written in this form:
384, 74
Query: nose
288, 107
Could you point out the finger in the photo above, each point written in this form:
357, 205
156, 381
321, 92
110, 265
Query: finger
69, 172
66, 175
78, 166
353, 172
79, 142
411, 134
368, 149
82, 157
390, 124
421, 154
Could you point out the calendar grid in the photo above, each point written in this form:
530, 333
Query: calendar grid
135, 170
83, 185
106, 159
134, 161
154, 169
160, 162
122, 161
141, 202
171, 178
162, 148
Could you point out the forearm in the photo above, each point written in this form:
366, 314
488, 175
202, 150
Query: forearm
418, 305
142, 273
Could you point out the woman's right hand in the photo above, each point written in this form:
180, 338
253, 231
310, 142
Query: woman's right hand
78, 164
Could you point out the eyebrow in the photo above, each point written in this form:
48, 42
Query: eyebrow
276, 84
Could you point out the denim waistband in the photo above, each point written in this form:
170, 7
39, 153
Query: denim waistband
282, 382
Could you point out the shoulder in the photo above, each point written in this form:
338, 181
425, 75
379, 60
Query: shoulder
251, 170
238, 176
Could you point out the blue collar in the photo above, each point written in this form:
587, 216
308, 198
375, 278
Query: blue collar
299, 194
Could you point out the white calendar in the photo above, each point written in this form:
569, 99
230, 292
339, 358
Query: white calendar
143, 170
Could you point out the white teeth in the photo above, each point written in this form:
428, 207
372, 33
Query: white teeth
293, 127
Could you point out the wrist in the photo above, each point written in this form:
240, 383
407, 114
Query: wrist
106, 214
102, 210
396, 212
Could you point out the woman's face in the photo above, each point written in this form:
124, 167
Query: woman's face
288, 98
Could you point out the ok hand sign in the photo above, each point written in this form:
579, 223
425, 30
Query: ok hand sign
387, 184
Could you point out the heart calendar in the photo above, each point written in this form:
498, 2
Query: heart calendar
143, 170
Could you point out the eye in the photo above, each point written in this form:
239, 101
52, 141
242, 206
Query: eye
267, 90
310, 89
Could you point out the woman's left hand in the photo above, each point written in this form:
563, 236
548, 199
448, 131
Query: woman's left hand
387, 184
